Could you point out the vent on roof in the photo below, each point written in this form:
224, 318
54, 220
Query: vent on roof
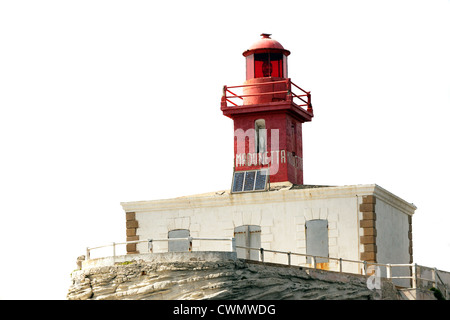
248, 181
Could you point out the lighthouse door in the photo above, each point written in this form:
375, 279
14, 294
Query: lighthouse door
248, 236
317, 239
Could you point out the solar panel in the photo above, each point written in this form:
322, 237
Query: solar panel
251, 180
249, 183
261, 180
238, 181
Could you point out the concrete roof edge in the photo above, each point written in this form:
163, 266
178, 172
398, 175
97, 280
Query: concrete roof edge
394, 200
283, 193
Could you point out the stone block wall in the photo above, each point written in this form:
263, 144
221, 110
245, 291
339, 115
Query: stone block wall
368, 224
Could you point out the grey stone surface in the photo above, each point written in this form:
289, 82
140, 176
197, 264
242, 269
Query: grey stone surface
228, 280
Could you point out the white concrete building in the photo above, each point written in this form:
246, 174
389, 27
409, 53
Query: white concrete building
357, 222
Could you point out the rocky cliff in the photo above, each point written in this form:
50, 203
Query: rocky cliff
238, 279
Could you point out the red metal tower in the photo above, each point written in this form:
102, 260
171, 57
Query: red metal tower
267, 114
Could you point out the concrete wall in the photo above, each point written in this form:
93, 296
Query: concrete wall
281, 214
392, 239
392, 233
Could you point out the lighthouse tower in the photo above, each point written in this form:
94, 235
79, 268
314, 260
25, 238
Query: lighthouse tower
268, 111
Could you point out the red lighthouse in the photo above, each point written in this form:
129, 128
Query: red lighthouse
268, 111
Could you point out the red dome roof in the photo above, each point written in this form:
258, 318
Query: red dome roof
266, 43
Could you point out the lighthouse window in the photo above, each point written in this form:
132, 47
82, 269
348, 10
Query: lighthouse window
260, 136
268, 65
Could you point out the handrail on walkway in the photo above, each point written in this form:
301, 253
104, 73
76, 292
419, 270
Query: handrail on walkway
415, 277
304, 97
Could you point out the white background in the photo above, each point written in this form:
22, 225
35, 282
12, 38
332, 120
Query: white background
103, 102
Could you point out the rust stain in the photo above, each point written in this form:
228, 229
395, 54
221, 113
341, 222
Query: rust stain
323, 265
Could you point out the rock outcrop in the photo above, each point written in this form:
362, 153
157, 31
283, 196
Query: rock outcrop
239, 279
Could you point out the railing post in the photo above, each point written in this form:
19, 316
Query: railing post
150, 245
114, 249
340, 264
388, 271
414, 276
309, 108
313, 260
224, 97
365, 268
88, 253
289, 90
233, 244
289, 258
261, 250
433, 277
190, 243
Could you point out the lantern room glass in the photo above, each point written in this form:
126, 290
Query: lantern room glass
269, 64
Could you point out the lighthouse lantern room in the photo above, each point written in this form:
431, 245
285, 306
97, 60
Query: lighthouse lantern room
266, 58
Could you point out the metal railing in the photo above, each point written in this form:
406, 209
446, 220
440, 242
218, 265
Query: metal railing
150, 243
304, 97
416, 278
415, 272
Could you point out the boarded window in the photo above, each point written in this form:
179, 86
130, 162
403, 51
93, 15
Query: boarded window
181, 245
248, 236
317, 239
